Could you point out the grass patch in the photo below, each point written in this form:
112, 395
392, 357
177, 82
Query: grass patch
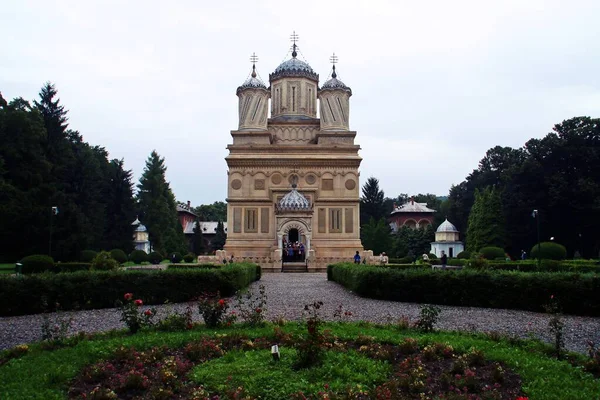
240, 368
42, 374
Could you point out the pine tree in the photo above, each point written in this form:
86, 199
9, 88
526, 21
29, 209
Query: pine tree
120, 208
159, 209
372, 202
198, 241
486, 222
376, 236
220, 237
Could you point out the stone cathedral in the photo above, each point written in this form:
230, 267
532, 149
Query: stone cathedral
292, 175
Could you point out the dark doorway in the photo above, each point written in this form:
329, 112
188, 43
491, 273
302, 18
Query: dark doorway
293, 235
451, 252
293, 249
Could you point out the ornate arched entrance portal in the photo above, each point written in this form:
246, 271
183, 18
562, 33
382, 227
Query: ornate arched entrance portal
293, 237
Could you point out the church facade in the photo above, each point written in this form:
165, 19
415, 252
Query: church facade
293, 175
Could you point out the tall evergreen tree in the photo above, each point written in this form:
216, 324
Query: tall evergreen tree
120, 208
159, 209
372, 202
376, 236
198, 240
220, 237
486, 223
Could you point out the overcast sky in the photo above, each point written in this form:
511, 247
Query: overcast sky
435, 83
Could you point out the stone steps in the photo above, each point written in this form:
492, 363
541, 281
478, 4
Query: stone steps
294, 267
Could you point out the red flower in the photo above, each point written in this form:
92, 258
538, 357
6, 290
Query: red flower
128, 296
148, 312
258, 310
139, 302
221, 302
522, 398
552, 296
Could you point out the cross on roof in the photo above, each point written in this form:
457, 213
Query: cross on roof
333, 59
253, 58
294, 37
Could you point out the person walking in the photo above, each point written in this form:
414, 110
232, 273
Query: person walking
444, 259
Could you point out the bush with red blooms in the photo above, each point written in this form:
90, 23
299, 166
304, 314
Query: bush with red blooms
133, 316
214, 309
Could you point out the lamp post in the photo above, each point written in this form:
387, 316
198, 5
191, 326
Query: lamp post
53, 211
535, 214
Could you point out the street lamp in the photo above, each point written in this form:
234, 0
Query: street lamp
53, 211
535, 214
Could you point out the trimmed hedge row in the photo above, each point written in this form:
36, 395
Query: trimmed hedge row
577, 293
527, 266
100, 289
195, 266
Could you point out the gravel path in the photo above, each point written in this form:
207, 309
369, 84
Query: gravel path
288, 293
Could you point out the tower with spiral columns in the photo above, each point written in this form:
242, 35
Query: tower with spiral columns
293, 179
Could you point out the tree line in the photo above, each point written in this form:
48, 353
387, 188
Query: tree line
558, 176
59, 195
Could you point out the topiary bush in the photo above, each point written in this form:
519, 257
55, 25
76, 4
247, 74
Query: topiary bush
37, 263
549, 251
104, 262
176, 257
432, 256
189, 257
138, 256
87, 256
118, 255
492, 253
155, 257
464, 255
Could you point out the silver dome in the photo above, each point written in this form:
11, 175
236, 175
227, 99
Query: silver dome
446, 226
253, 82
294, 201
294, 67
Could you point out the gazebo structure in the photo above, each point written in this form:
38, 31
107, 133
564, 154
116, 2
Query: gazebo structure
447, 240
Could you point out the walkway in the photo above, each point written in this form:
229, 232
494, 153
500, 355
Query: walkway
288, 293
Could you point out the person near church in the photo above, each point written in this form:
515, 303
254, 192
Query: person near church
301, 248
357, 258
444, 259
523, 255
231, 259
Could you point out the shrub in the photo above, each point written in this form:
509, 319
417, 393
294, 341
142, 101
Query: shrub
155, 257
72, 266
98, 289
213, 309
37, 263
549, 250
133, 316
464, 254
401, 260
472, 288
118, 255
189, 257
104, 262
138, 256
432, 256
176, 257
492, 253
87, 256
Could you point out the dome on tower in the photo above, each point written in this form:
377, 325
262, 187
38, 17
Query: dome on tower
446, 226
294, 201
253, 82
334, 83
294, 67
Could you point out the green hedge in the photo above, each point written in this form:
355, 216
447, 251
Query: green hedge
195, 266
533, 266
72, 266
36, 263
577, 293
100, 289
549, 250
492, 253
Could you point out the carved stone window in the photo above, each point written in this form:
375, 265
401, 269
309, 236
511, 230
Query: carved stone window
251, 220
327, 184
335, 220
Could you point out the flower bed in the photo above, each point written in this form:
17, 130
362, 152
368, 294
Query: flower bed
360, 362
578, 293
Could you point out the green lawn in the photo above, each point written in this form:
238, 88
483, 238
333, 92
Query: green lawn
42, 374
7, 268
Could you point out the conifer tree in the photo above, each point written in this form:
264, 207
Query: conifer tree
198, 241
120, 208
486, 222
376, 236
159, 209
220, 237
372, 202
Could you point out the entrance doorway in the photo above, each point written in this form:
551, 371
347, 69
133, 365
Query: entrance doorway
451, 251
293, 236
